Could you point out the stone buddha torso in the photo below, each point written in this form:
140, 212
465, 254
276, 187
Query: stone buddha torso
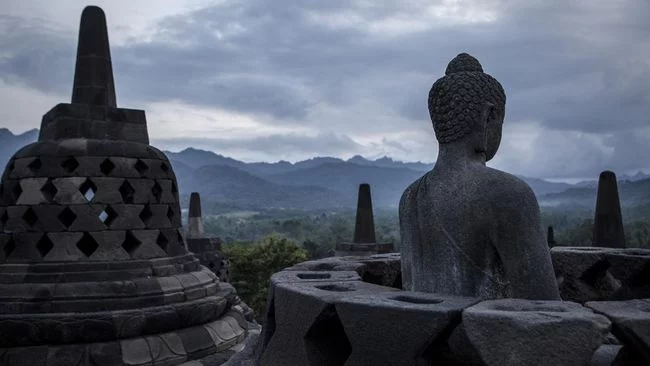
468, 229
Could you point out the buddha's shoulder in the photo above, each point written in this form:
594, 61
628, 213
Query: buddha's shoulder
508, 189
411, 191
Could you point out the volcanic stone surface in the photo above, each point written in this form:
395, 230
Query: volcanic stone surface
466, 229
93, 264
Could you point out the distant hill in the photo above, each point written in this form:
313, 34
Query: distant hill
238, 188
631, 193
387, 184
324, 182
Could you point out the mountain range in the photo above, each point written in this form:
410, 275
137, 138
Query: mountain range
228, 184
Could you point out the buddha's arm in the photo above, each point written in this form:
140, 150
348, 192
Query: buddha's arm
521, 243
408, 234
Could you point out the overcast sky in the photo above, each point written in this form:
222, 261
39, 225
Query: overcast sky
264, 80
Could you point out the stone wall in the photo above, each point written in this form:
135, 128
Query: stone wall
350, 311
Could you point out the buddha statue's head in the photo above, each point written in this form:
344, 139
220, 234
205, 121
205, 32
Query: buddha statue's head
468, 106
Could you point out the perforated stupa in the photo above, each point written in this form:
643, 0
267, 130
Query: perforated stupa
93, 264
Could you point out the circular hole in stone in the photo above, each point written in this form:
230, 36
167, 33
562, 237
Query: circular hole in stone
336, 288
416, 300
313, 276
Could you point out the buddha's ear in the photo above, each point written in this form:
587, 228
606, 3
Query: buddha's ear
488, 113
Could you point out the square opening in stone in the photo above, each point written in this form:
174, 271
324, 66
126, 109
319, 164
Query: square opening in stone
164, 167
49, 190
9, 247
17, 190
107, 166
44, 245
131, 243
108, 216
127, 192
87, 245
4, 218
162, 241
35, 165
88, 189
141, 167
70, 164
146, 215
67, 217
157, 191
30, 217
170, 214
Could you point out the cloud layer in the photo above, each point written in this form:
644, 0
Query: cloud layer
262, 80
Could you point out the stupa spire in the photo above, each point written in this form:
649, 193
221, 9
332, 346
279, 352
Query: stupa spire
195, 219
93, 76
608, 221
364, 230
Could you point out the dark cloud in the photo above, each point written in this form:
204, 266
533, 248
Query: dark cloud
571, 67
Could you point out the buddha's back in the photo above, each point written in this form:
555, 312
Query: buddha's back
467, 229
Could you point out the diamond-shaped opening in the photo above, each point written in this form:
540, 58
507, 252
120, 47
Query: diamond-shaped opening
326, 341
87, 245
131, 243
49, 190
9, 247
141, 167
170, 214
44, 245
107, 166
596, 272
70, 164
88, 189
127, 192
30, 217
4, 218
17, 191
35, 165
164, 167
156, 190
67, 217
162, 241
146, 215
108, 216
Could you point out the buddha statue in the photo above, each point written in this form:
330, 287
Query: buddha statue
467, 229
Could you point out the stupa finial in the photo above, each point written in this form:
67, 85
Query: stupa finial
93, 76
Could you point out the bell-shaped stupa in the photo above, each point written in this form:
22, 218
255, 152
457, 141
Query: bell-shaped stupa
94, 268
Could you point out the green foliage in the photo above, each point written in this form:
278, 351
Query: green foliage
318, 231
252, 265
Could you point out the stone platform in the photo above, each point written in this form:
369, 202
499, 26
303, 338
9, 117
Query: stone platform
339, 311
